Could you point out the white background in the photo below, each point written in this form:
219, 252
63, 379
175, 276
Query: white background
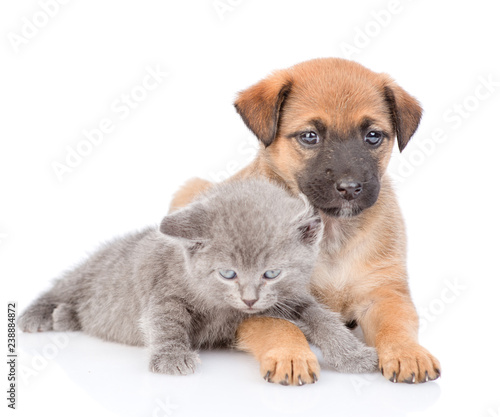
68, 75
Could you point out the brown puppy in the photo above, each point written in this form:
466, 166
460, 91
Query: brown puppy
327, 128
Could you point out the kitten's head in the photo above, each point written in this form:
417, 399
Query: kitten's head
247, 244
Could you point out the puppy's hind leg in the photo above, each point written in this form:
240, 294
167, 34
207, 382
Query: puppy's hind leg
188, 192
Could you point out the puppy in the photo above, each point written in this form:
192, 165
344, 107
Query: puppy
327, 128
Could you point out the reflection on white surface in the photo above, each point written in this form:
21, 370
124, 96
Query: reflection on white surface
227, 383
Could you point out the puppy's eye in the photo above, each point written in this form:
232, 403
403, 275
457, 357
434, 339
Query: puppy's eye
227, 273
309, 138
272, 273
374, 138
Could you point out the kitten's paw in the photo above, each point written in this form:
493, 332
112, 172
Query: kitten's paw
65, 318
174, 363
37, 318
362, 360
289, 366
410, 363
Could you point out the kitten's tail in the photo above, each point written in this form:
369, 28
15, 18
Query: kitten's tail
44, 315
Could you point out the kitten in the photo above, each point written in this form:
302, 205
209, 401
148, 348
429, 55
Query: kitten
244, 248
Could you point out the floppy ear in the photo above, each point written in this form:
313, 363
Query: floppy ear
259, 105
405, 112
188, 225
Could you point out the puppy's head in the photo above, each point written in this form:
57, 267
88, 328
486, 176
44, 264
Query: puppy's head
328, 127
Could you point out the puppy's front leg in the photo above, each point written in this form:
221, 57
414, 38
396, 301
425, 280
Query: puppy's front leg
340, 348
390, 323
166, 328
281, 348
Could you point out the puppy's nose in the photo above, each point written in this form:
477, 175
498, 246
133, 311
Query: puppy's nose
250, 303
349, 189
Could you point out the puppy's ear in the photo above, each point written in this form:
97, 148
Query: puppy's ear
259, 105
405, 111
188, 225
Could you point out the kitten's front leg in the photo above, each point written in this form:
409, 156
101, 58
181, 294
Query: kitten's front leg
166, 327
340, 348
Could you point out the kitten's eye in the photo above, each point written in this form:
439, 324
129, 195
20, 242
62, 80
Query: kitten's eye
309, 138
227, 273
272, 274
374, 138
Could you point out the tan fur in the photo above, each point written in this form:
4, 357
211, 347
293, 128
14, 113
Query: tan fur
361, 272
187, 193
279, 362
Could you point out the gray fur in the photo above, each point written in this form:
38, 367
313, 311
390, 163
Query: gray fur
161, 288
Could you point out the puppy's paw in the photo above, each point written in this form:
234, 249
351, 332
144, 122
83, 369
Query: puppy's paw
408, 363
289, 367
174, 363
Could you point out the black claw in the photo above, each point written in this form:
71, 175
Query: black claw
315, 378
382, 370
285, 382
300, 381
393, 379
426, 376
410, 380
266, 377
438, 372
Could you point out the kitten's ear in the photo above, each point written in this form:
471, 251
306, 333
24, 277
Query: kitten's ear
309, 224
311, 230
189, 225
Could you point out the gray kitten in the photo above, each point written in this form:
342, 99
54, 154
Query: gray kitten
244, 248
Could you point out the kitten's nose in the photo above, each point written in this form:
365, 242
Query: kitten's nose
250, 303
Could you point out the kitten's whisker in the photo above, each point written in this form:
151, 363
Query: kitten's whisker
281, 311
287, 310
